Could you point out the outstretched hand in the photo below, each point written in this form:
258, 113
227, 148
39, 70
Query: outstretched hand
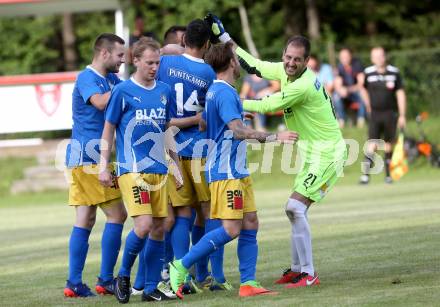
289, 137
218, 32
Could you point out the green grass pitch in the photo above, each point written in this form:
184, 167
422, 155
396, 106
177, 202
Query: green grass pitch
373, 246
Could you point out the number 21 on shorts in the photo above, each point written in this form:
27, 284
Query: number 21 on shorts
308, 182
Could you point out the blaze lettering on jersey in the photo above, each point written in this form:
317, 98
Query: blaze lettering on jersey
158, 113
235, 199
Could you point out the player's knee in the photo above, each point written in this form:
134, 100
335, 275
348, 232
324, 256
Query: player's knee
169, 222
122, 215
87, 221
250, 221
295, 209
233, 229
142, 230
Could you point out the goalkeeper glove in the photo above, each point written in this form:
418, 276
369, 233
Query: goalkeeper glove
218, 32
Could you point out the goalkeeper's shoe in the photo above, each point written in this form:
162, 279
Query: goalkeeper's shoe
78, 290
177, 277
304, 280
218, 33
105, 287
253, 288
288, 276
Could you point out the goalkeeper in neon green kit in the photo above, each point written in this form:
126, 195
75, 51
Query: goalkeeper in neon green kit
308, 110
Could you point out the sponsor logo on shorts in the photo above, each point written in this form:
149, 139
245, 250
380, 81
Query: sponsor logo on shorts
115, 184
140, 195
235, 199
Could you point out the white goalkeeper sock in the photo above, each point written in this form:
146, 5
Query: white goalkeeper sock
301, 237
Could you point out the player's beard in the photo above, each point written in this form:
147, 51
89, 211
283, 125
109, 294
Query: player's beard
113, 68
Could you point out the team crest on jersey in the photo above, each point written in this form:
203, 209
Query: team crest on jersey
390, 85
163, 99
317, 84
235, 199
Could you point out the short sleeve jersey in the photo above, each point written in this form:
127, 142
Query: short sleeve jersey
189, 79
88, 121
226, 156
139, 114
307, 109
382, 87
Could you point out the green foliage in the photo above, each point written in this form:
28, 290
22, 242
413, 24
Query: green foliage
28, 45
408, 29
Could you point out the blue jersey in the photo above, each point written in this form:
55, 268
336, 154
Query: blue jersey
139, 114
88, 121
227, 159
189, 79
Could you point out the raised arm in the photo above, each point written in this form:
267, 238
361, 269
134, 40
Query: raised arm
264, 69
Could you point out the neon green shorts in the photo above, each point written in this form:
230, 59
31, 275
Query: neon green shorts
316, 180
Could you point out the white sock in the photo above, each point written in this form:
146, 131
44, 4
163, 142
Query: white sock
301, 238
295, 265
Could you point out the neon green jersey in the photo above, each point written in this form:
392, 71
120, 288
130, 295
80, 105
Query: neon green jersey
307, 108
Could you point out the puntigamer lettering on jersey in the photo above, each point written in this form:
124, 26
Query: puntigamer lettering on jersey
140, 195
235, 199
172, 72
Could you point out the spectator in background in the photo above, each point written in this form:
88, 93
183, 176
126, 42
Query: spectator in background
324, 72
255, 87
347, 87
385, 101
138, 32
174, 35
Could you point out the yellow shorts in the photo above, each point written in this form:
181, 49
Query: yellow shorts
231, 198
144, 194
86, 190
195, 189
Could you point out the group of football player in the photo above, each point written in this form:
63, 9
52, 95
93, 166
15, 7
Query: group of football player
180, 169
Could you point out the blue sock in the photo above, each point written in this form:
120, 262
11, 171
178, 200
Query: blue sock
216, 257
133, 246
192, 219
247, 251
201, 265
207, 244
169, 254
110, 246
154, 254
78, 247
180, 236
140, 275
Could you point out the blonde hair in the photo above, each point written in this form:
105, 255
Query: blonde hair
143, 44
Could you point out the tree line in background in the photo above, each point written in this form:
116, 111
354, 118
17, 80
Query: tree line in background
409, 30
